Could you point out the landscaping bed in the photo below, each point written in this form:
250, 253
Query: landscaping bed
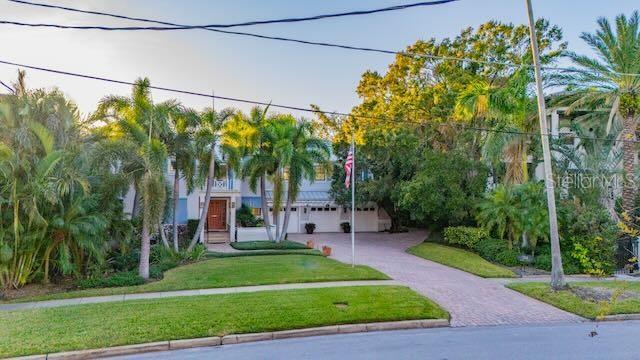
587, 299
237, 271
112, 324
460, 259
268, 245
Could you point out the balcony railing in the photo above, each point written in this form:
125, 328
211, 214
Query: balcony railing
221, 184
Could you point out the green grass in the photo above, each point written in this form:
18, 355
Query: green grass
460, 259
566, 300
268, 245
216, 254
238, 271
110, 324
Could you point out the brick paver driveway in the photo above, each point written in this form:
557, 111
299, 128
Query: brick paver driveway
471, 300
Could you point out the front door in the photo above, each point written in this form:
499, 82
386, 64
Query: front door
217, 215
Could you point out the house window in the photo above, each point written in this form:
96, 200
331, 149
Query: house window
366, 175
321, 173
256, 211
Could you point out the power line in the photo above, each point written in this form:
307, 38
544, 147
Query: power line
291, 107
313, 43
190, 27
7, 86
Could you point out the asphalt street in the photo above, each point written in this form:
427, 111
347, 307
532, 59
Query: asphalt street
614, 340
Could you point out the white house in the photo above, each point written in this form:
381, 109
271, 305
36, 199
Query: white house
313, 205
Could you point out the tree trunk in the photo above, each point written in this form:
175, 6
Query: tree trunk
163, 235
207, 198
624, 251
176, 194
136, 203
145, 248
629, 164
265, 208
287, 214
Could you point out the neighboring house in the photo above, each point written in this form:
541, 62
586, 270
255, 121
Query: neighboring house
314, 205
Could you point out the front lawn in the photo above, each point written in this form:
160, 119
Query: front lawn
460, 259
101, 325
268, 245
587, 299
238, 271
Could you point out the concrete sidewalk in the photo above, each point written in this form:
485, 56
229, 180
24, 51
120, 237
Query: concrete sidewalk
181, 293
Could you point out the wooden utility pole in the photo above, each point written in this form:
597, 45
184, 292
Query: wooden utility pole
557, 273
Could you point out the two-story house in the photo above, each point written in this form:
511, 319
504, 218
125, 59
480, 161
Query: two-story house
313, 205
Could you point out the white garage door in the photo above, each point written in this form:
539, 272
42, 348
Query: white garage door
325, 218
293, 220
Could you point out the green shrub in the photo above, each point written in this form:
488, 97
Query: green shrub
125, 262
128, 278
508, 257
543, 262
268, 245
595, 254
490, 248
245, 217
465, 236
192, 226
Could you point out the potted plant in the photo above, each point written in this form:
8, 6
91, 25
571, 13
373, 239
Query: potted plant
326, 251
309, 227
346, 226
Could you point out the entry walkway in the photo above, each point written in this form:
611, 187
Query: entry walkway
470, 299
180, 293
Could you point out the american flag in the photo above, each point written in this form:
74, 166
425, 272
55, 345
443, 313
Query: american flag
348, 164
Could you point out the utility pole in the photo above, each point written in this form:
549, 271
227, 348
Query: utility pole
557, 273
353, 202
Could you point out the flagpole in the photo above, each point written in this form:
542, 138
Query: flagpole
353, 203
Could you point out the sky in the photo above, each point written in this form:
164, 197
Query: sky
240, 67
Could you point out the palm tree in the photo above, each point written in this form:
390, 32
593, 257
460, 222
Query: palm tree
610, 80
500, 212
307, 152
141, 155
507, 104
250, 134
207, 138
181, 149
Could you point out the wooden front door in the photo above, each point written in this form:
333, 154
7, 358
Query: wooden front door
217, 215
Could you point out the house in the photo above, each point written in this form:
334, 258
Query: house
313, 205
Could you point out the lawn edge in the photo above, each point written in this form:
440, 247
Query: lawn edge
242, 338
515, 276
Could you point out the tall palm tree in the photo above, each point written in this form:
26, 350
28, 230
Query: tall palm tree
307, 152
182, 151
610, 80
207, 139
259, 162
135, 142
508, 106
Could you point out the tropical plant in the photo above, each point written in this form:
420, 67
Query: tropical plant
305, 153
500, 213
136, 150
182, 152
207, 141
610, 81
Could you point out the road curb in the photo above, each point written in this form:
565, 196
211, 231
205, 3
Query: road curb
240, 338
620, 317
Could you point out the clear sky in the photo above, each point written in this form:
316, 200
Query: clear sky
250, 68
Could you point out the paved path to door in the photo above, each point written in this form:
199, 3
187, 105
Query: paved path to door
470, 300
181, 293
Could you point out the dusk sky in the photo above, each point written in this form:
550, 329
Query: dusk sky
255, 69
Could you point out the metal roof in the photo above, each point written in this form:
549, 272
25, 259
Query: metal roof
306, 196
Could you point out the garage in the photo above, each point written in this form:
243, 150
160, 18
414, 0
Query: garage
326, 218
